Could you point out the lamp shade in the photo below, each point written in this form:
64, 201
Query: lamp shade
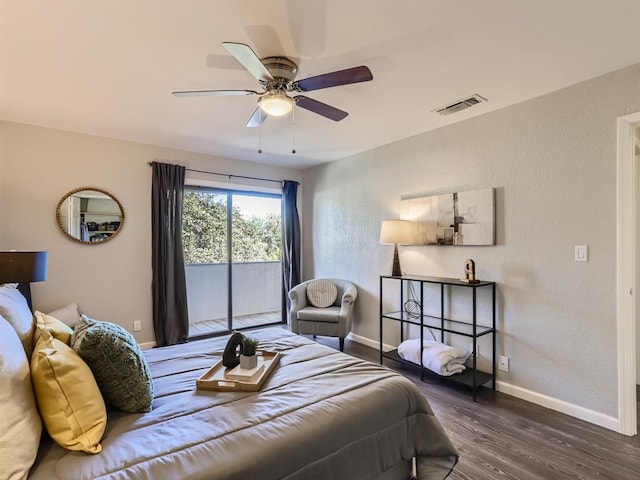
396, 231
22, 267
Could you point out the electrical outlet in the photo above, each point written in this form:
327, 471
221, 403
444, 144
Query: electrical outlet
477, 349
503, 363
137, 326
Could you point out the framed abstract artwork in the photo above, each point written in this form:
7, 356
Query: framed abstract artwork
460, 218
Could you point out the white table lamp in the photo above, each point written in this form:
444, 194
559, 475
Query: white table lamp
396, 232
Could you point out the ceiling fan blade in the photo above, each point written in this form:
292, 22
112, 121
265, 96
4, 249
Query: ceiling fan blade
249, 60
332, 113
257, 118
334, 79
200, 93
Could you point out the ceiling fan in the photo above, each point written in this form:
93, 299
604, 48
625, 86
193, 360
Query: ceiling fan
277, 78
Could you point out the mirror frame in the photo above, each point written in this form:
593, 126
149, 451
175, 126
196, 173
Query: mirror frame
96, 189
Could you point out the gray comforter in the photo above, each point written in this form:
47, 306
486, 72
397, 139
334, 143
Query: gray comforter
321, 415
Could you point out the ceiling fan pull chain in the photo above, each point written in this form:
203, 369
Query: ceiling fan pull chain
293, 121
260, 131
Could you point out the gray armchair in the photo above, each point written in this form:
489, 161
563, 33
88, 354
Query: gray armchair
332, 321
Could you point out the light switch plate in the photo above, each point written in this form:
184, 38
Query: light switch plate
581, 253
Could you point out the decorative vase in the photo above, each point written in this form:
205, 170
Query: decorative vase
248, 363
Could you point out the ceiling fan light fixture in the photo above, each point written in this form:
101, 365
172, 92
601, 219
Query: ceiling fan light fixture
276, 103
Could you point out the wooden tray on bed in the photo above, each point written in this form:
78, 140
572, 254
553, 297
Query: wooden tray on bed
216, 377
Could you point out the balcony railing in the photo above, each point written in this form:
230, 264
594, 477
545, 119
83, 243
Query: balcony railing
257, 294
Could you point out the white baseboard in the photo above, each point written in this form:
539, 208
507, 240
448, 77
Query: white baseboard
561, 406
369, 343
147, 345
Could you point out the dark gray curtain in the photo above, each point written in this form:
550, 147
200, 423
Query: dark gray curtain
170, 315
290, 242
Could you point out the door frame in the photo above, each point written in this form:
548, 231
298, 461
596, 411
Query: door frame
626, 265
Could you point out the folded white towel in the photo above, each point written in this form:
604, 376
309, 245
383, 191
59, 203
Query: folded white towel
437, 357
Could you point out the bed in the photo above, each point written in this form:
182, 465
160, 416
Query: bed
321, 414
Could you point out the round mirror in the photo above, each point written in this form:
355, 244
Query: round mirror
90, 215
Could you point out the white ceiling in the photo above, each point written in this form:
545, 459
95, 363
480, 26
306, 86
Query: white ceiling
108, 67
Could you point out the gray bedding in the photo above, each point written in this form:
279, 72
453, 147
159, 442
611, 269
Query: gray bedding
321, 415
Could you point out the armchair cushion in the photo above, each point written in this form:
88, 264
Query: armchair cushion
327, 314
321, 293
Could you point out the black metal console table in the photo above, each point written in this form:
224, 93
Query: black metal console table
468, 328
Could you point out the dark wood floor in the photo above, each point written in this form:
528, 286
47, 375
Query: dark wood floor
502, 437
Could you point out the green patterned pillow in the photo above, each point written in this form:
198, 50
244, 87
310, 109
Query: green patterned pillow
117, 362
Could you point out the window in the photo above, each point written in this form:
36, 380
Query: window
233, 249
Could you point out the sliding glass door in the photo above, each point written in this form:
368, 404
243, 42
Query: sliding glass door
232, 242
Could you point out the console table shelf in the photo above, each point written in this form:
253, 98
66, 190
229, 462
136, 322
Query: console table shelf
450, 326
465, 378
472, 376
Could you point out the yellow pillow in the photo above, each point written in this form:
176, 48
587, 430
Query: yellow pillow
68, 397
54, 326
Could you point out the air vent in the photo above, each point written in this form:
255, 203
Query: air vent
460, 105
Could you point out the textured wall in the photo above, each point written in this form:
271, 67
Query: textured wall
111, 281
553, 162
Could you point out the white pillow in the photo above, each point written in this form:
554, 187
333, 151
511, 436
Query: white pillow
14, 308
321, 293
68, 314
20, 424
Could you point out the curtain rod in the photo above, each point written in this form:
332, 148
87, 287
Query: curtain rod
229, 175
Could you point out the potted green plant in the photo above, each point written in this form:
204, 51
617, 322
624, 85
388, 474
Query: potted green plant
248, 358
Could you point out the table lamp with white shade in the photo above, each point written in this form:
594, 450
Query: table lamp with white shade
396, 232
